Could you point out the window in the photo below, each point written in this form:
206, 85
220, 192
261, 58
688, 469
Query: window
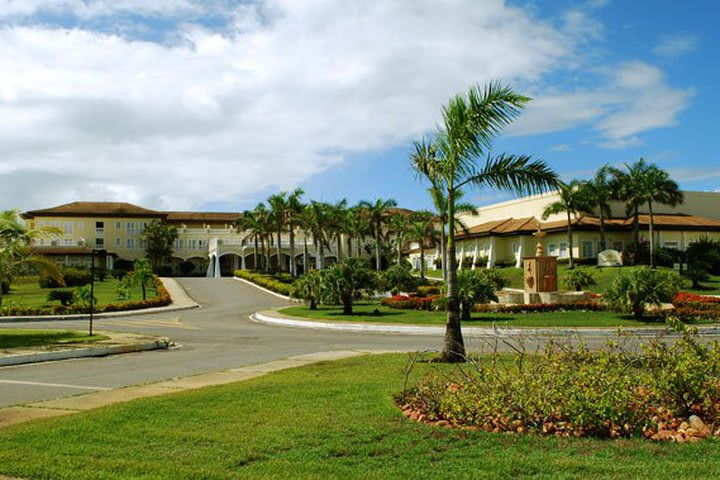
130, 228
178, 244
117, 242
130, 243
142, 244
201, 244
552, 250
673, 245
563, 250
118, 226
67, 242
588, 249
141, 227
99, 242
68, 228
192, 244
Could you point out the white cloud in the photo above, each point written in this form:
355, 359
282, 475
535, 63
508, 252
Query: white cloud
563, 147
672, 46
219, 115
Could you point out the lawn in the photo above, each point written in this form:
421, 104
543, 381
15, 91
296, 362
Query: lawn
27, 293
364, 312
13, 338
328, 420
603, 277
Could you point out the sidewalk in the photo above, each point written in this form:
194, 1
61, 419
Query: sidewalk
273, 317
119, 342
89, 401
180, 301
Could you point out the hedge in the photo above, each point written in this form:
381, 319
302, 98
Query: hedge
276, 283
162, 299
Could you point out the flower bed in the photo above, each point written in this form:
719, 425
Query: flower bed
281, 284
691, 306
406, 302
410, 302
664, 392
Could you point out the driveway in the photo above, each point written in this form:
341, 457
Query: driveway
217, 336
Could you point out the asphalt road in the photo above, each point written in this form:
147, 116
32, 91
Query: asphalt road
217, 336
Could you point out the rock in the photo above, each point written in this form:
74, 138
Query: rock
697, 423
683, 426
662, 436
679, 438
442, 423
693, 439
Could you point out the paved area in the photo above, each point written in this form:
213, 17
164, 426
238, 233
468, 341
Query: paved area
217, 336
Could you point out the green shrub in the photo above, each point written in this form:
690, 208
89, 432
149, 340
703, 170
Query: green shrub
696, 273
577, 279
639, 288
569, 391
347, 281
308, 288
427, 290
667, 257
74, 277
705, 252
186, 267
494, 277
473, 288
65, 297
398, 278
265, 281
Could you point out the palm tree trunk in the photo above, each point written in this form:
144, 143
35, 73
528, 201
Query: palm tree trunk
278, 250
359, 246
339, 247
652, 236
306, 256
321, 256
349, 246
443, 251
293, 263
256, 259
399, 252
378, 256
571, 262
454, 347
636, 226
422, 260
603, 234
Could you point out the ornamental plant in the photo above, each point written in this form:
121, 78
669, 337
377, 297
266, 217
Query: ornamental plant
578, 279
347, 281
308, 288
473, 289
640, 288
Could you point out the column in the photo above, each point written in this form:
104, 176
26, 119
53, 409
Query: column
475, 254
518, 261
491, 253
462, 256
211, 267
217, 266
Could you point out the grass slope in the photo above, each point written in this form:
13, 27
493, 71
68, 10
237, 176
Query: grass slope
364, 313
329, 420
13, 338
603, 276
29, 294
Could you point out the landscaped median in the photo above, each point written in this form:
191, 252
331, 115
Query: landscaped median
331, 420
31, 346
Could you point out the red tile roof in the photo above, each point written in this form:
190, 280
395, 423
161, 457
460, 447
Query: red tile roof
93, 209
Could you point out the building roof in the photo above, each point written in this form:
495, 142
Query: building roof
205, 217
94, 209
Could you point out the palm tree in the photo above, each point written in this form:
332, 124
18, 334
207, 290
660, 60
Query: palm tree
469, 125
337, 218
317, 221
278, 216
249, 221
378, 214
357, 228
399, 225
15, 253
422, 230
292, 214
572, 201
658, 187
598, 192
461, 208
627, 187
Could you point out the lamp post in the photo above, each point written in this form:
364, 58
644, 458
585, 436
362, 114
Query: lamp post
92, 288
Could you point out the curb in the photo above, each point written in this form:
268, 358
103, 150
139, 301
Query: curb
162, 343
192, 304
284, 297
268, 318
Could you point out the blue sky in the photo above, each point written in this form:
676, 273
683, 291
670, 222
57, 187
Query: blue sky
217, 104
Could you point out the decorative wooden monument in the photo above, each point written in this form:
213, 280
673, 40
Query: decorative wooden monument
540, 273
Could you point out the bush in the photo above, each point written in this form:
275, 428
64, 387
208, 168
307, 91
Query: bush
569, 391
74, 277
118, 273
406, 302
473, 289
265, 281
636, 254
65, 297
186, 267
122, 264
100, 274
667, 257
705, 252
577, 279
494, 277
398, 278
696, 273
347, 281
308, 288
5, 287
541, 307
639, 288
427, 290
481, 261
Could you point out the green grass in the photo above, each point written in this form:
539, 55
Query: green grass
40, 338
603, 277
27, 293
329, 420
363, 312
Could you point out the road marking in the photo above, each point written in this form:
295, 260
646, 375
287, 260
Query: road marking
174, 323
59, 385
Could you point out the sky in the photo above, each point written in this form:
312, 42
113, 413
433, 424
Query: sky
217, 104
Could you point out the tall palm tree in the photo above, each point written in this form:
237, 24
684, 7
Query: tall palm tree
599, 191
357, 229
378, 213
463, 143
422, 230
628, 187
251, 222
399, 225
571, 202
337, 213
461, 208
658, 187
278, 216
292, 214
317, 221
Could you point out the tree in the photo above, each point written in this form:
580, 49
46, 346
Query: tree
598, 192
397, 278
469, 126
316, 220
378, 213
141, 275
308, 288
250, 222
422, 231
578, 279
278, 216
628, 187
399, 225
473, 289
15, 253
160, 240
641, 287
292, 218
658, 187
572, 201
346, 281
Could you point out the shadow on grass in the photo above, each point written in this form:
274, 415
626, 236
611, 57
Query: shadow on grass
14, 339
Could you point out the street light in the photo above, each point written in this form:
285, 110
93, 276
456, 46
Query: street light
92, 288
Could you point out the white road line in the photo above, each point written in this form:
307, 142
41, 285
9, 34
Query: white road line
59, 385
